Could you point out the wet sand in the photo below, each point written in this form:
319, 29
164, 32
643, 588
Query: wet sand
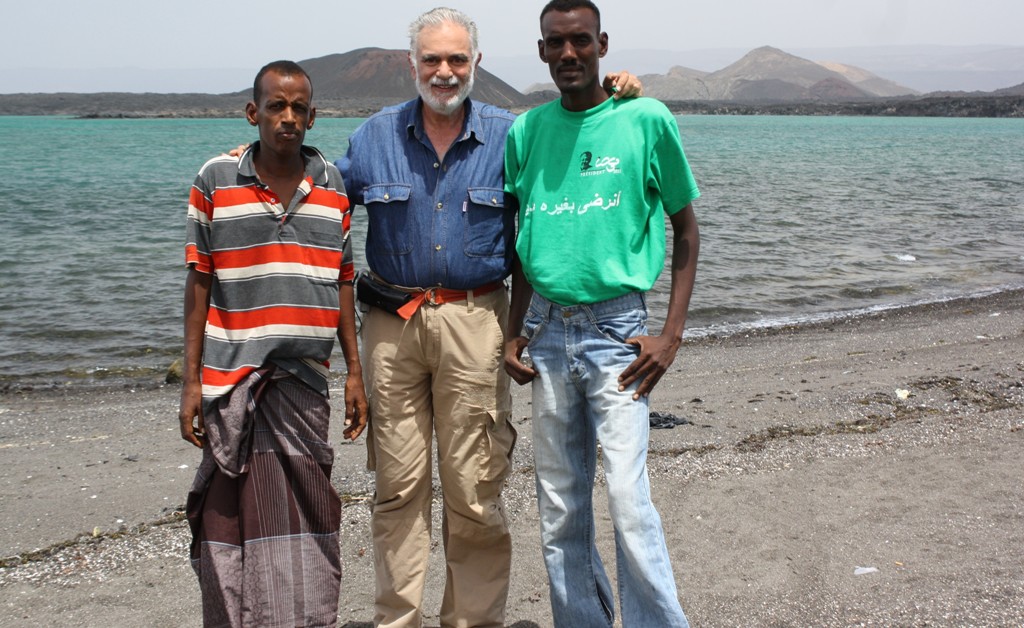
890, 442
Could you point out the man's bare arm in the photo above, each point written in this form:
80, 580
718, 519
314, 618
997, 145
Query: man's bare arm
197, 305
356, 407
514, 341
658, 352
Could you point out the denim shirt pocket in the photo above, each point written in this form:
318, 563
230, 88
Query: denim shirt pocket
485, 223
387, 210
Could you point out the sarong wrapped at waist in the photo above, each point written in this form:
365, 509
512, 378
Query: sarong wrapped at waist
265, 543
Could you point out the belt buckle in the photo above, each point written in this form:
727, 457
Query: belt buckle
430, 296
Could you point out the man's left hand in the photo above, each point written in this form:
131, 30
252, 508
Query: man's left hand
656, 354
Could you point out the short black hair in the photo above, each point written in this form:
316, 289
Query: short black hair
564, 6
284, 68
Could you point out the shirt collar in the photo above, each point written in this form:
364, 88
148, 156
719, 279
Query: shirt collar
316, 163
472, 126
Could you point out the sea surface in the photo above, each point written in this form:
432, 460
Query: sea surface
801, 219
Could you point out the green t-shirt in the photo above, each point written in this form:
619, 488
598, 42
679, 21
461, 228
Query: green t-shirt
592, 188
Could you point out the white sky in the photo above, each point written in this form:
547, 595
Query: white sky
41, 36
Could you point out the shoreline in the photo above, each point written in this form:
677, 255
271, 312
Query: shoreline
161, 377
130, 105
889, 441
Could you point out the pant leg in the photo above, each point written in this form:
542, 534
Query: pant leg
472, 407
398, 381
647, 591
565, 457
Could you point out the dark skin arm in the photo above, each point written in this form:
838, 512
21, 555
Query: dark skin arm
514, 341
197, 304
658, 352
356, 407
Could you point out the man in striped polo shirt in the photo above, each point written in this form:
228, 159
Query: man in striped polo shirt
269, 287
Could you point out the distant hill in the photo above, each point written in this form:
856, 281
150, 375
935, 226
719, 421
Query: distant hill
867, 81
934, 68
774, 71
769, 75
1016, 90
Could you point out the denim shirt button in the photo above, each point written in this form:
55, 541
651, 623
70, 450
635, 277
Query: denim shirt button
440, 205
436, 165
437, 247
387, 197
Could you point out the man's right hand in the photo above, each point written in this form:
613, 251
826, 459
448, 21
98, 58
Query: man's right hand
514, 366
190, 414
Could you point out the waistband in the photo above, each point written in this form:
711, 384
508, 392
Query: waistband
625, 303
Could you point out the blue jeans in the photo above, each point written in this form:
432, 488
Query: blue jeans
578, 352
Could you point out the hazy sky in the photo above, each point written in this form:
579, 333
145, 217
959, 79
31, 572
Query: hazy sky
57, 45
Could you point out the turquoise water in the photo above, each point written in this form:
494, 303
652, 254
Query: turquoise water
801, 218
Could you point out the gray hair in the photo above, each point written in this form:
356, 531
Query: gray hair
437, 17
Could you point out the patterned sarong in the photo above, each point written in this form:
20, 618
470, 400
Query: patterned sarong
265, 543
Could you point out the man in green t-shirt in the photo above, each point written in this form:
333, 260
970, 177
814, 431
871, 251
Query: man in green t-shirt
594, 178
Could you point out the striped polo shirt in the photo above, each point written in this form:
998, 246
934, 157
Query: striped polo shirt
276, 267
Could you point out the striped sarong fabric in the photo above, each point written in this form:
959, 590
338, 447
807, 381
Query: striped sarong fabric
265, 543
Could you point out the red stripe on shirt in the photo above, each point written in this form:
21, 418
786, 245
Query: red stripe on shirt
277, 315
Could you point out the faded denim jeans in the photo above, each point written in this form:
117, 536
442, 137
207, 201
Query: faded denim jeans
579, 352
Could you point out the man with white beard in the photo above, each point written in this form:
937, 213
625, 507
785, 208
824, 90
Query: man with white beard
439, 246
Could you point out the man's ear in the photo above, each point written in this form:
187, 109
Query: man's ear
412, 66
312, 118
540, 50
602, 41
479, 58
250, 113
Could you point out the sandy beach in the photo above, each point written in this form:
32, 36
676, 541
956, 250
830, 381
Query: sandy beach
864, 472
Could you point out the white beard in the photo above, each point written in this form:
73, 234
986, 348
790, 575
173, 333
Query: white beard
449, 106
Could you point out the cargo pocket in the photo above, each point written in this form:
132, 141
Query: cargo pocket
371, 455
498, 444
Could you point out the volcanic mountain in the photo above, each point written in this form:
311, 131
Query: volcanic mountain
376, 73
768, 74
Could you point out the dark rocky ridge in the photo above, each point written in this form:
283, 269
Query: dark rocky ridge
963, 106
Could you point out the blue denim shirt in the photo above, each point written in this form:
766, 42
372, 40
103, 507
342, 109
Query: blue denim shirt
433, 223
